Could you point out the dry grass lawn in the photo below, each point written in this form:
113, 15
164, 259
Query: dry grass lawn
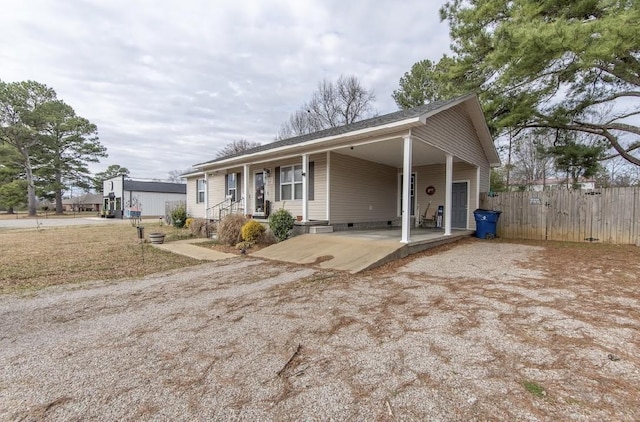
49, 214
31, 259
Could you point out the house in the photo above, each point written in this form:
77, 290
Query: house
389, 170
125, 198
86, 202
556, 184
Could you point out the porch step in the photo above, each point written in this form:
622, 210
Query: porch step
320, 229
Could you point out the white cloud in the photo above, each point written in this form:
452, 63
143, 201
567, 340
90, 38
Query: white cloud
169, 83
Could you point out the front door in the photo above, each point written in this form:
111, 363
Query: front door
412, 194
258, 184
459, 210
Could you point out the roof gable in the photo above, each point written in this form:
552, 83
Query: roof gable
376, 121
408, 118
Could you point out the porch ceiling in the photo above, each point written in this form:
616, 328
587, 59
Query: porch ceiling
390, 153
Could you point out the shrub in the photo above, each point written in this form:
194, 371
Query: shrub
267, 238
189, 221
200, 227
244, 245
281, 222
252, 231
230, 229
179, 216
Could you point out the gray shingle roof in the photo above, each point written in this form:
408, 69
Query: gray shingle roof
359, 125
160, 187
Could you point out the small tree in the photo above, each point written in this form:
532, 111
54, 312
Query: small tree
577, 159
281, 222
179, 216
13, 194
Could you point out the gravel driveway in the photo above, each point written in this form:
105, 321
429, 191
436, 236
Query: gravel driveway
480, 331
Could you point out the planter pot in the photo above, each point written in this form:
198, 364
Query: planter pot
156, 237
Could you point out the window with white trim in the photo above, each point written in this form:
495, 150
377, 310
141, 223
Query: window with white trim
200, 188
232, 186
290, 183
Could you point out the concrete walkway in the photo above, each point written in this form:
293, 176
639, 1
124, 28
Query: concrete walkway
189, 248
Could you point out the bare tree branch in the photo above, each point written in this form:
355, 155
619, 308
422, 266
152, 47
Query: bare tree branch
331, 105
236, 147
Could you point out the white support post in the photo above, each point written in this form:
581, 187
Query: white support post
447, 195
406, 189
245, 189
206, 195
328, 199
305, 187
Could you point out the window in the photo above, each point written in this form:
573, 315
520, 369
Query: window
232, 186
200, 189
290, 183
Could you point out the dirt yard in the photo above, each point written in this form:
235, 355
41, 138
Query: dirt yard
477, 331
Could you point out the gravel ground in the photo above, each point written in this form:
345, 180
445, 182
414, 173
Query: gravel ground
480, 331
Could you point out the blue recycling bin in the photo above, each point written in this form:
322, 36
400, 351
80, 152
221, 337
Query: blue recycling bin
486, 223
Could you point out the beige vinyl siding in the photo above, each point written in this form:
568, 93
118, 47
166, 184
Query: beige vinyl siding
434, 175
317, 207
452, 131
193, 209
215, 190
361, 191
485, 177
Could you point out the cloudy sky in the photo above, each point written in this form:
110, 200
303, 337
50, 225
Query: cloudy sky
168, 83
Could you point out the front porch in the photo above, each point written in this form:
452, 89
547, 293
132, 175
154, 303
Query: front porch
357, 250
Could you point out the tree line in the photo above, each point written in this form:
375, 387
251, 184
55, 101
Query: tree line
44, 145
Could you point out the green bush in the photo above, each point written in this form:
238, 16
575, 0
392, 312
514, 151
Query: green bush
230, 229
179, 216
252, 231
281, 222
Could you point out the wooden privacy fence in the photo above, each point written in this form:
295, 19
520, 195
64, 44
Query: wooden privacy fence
609, 215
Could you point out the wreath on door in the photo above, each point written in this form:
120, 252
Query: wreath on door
430, 190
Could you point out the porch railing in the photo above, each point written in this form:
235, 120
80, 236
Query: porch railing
224, 208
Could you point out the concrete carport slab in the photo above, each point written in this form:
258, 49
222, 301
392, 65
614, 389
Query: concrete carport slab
353, 251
